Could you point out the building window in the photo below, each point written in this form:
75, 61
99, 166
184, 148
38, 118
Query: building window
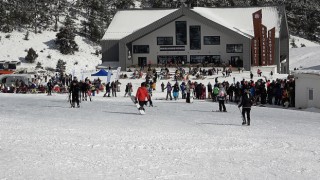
234, 48
211, 40
196, 59
164, 40
181, 33
311, 94
172, 59
137, 49
195, 37
142, 61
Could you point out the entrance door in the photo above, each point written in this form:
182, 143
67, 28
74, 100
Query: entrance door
310, 97
233, 61
142, 61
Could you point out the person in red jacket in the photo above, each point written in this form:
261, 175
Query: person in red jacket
142, 95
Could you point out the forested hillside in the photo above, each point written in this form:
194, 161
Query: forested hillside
92, 17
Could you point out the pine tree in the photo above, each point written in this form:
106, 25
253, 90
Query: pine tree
61, 65
31, 56
65, 38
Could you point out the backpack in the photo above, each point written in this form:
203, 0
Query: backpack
216, 91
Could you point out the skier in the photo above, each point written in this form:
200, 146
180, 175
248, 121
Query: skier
221, 98
74, 91
49, 86
246, 103
142, 96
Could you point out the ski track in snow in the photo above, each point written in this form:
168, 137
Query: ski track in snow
41, 137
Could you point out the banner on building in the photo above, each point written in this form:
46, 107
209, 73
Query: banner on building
271, 43
257, 21
263, 45
255, 51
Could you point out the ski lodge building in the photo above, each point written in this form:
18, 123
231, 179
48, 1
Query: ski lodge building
239, 36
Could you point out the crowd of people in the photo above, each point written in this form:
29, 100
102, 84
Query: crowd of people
279, 92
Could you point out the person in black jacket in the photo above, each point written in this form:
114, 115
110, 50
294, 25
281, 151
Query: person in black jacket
75, 92
246, 103
49, 86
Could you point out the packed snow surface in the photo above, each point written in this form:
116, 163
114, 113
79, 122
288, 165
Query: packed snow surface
41, 137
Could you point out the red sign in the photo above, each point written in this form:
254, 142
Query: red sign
257, 20
271, 42
262, 45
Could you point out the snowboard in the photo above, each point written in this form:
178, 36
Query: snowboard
141, 111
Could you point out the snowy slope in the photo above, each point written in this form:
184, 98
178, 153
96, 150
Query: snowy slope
14, 49
299, 41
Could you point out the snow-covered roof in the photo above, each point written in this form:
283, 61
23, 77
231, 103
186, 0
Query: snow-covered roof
126, 22
240, 19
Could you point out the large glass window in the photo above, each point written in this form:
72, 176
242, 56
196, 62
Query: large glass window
234, 48
164, 40
172, 59
195, 59
12, 66
195, 37
140, 49
181, 33
211, 40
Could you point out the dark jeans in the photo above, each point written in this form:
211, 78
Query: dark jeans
169, 94
244, 112
75, 98
142, 103
221, 105
188, 98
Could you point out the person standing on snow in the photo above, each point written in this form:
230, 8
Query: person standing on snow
221, 98
49, 86
142, 96
246, 103
75, 92
149, 88
169, 89
176, 90
162, 87
209, 90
